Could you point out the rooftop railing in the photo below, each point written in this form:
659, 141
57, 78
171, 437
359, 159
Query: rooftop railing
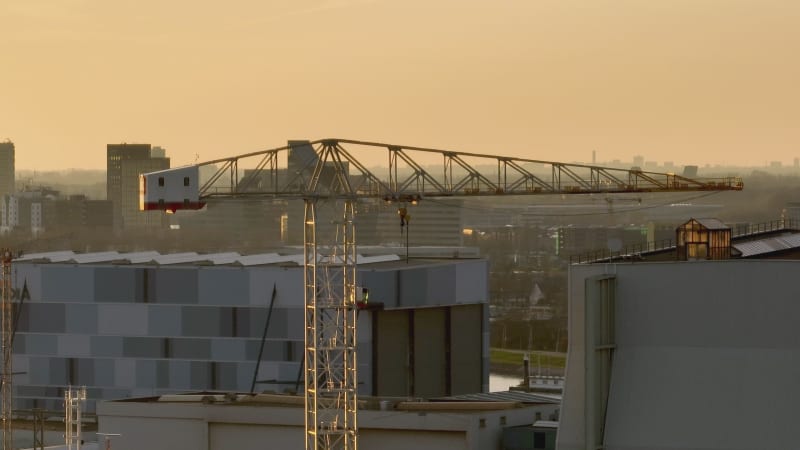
635, 251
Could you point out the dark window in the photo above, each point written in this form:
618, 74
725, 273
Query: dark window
186, 203
214, 370
72, 371
161, 181
161, 203
185, 181
288, 351
539, 441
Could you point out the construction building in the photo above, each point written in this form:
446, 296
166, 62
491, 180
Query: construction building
144, 324
689, 347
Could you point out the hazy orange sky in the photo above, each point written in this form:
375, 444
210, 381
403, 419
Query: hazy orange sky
690, 81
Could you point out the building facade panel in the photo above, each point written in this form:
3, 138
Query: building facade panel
392, 338
164, 320
413, 285
223, 286
288, 284
382, 285
104, 372
67, 283
73, 345
472, 286
117, 284
430, 344
175, 285
440, 285
466, 362
122, 319
41, 344
37, 317
81, 318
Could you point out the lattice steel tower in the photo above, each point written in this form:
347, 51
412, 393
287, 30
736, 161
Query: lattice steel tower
330, 312
8, 334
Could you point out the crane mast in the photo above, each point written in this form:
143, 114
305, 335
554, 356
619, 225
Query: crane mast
330, 317
7, 331
328, 174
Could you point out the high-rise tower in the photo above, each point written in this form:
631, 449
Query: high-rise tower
6, 168
124, 164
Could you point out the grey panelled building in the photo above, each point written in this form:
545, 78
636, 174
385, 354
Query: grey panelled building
146, 324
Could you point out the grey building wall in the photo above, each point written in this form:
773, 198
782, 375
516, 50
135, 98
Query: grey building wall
707, 356
427, 352
193, 426
127, 330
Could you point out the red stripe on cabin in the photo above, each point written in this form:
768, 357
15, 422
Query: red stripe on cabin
172, 206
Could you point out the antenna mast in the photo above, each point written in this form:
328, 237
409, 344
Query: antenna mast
7, 330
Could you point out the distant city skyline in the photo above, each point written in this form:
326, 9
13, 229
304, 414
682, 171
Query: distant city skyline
708, 82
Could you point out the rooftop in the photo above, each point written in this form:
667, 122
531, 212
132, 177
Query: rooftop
463, 403
367, 255
750, 241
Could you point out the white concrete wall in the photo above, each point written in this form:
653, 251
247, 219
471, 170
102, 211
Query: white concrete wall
195, 426
572, 425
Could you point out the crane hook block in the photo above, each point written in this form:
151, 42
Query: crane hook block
405, 217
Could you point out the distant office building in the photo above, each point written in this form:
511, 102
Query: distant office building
43, 209
77, 211
6, 168
573, 240
431, 222
24, 211
124, 164
236, 223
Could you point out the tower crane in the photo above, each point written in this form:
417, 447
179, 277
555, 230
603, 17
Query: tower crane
327, 172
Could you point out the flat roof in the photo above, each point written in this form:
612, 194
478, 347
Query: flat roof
467, 403
767, 245
503, 396
371, 256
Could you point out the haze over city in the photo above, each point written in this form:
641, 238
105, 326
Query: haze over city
691, 82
